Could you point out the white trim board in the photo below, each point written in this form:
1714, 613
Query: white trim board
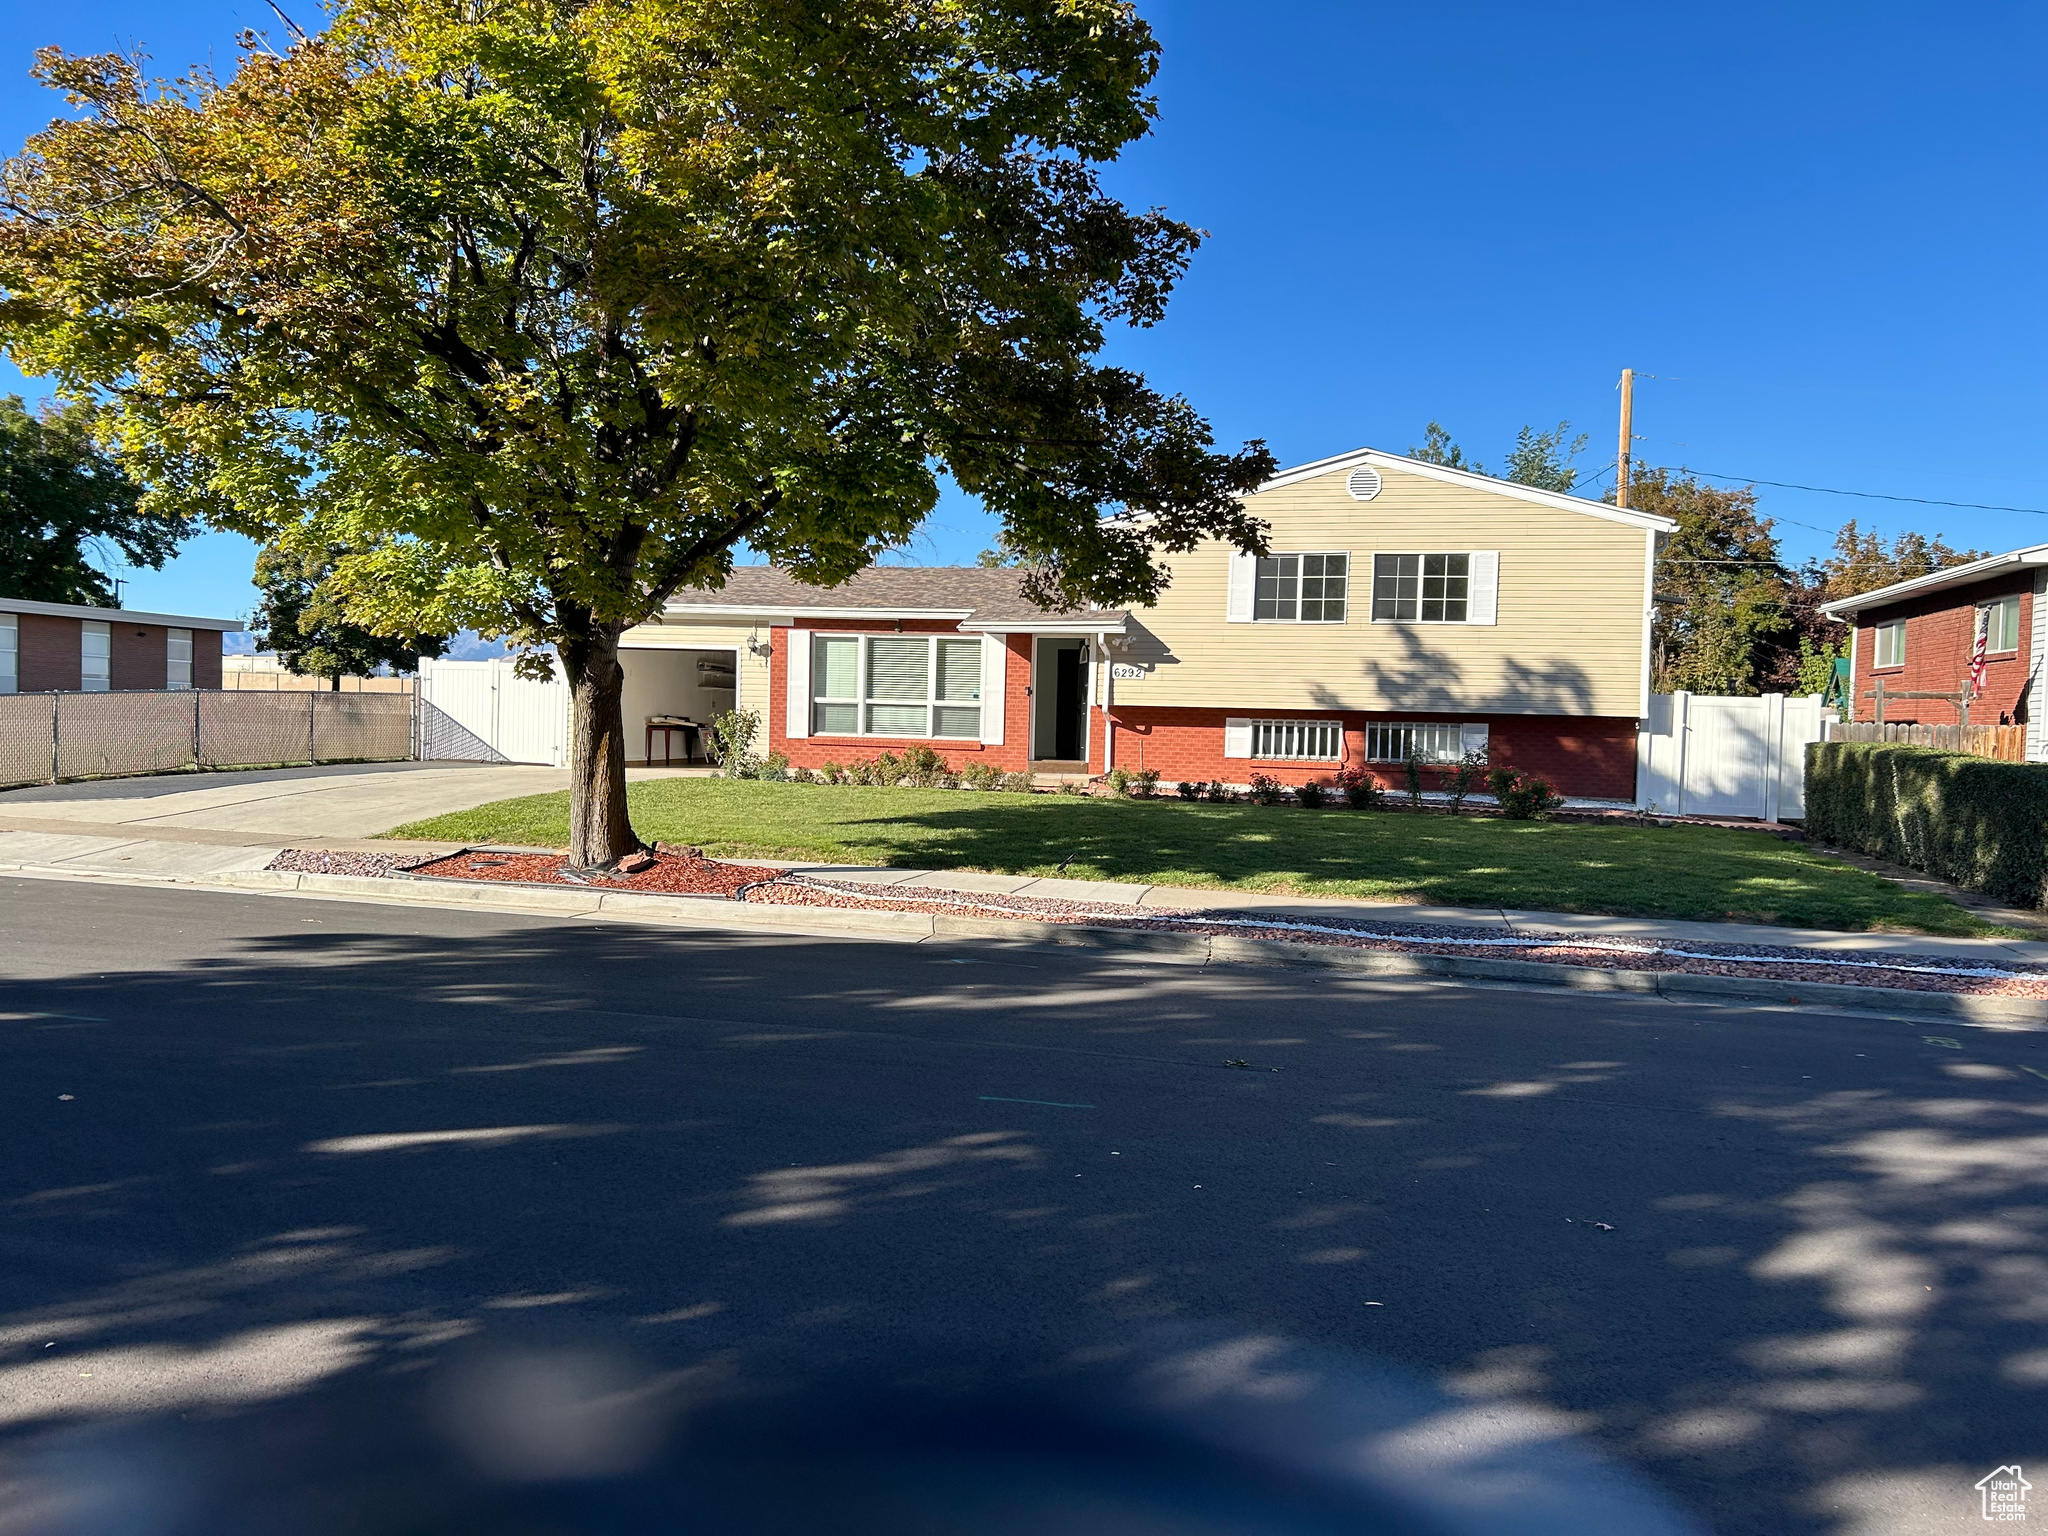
1627, 516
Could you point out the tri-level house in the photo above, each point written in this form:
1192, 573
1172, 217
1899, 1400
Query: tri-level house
1920, 637
1405, 608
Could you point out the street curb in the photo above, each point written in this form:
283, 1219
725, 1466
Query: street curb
2020, 1013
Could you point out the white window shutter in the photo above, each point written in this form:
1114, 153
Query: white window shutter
1483, 593
1237, 738
1244, 579
797, 681
995, 672
1472, 737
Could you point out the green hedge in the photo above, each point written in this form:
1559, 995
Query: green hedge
1973, 821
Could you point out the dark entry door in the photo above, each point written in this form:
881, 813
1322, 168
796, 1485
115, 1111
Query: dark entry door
1071, 705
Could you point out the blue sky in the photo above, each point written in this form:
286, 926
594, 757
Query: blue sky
1818, 229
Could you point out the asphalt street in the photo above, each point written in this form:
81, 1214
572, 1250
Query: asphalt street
1788, 1265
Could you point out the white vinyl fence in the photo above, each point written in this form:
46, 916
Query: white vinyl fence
1702, 755
480, 711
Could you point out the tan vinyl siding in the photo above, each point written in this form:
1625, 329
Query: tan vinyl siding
1569, 637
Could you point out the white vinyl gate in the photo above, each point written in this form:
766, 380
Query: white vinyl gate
1702, 755
480, 711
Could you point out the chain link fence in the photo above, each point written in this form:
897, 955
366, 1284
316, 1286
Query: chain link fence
47, 737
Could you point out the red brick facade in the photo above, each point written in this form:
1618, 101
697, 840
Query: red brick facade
138, 655
1941, 628
1593, 757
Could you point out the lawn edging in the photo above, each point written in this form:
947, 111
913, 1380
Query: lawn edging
1198, 949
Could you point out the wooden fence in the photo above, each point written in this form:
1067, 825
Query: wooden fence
2006, 742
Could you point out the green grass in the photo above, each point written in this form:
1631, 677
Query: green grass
1683, 872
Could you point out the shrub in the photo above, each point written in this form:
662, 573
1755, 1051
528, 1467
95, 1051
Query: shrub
1119, 781
1975, 821
831, 773
1145, 783
1411, 769
1522, 796
1189, 789
922, 768
775, 766
1312, 795
1266, 790
1014, 783
1361, 789
981, 775
1214, 790
1463, 776
731, 743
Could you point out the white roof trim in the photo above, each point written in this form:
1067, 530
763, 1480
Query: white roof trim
677, 612
114, 615
1626, 516
1116, 626
1935, 581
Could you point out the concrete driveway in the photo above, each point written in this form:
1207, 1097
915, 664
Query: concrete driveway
337, 802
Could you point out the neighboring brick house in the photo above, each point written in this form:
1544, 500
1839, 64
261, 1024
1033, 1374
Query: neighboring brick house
68, 647
1919, 635
1405, 606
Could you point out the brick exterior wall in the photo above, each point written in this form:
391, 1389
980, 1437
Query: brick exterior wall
1940, 629
1588, 756
206, 644
49, 653
138, 654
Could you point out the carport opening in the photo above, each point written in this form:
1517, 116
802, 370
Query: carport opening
693, 687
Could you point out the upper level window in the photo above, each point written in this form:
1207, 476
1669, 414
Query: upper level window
1307, 589
95, 656
1428, 589
178, 659
2000, 623
896, 685
1891, 644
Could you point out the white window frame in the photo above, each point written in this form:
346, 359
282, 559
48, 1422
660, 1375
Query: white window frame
2001, 613
10, 653
88, 680
1297, 741
1472, 579
1390, 741
931, 702
178, 669
1297, 556
1893, 630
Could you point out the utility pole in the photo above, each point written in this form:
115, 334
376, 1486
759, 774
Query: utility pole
1621, 459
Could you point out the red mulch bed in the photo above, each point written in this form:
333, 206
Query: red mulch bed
672, 875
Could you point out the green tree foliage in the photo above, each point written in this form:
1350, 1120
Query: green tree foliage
1436, 447
541, 310
1544, 459
62, 500
1863, 562
300, 619
1721, 587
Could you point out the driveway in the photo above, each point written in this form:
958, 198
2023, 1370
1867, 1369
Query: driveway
254, 1152
338, 802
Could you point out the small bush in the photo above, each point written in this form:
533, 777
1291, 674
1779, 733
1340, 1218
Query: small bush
731, 742
1313, 795
1070, 788
922, 768
1189, 789
1145, 783
1974, 821
1119, 781
1464, 776
830, 772
1266, 790
1411, 770
1215, 792
1015, 783
1522, 796
805, 776
980, 774
775, 766
1361, 789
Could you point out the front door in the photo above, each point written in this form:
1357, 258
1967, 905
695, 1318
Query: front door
1059, 701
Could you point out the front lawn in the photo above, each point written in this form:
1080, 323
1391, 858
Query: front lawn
1685, 872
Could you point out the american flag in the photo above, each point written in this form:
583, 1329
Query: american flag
1977, 651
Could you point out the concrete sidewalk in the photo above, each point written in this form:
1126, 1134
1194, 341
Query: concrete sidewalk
205, 855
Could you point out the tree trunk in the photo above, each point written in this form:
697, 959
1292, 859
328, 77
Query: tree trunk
599, 832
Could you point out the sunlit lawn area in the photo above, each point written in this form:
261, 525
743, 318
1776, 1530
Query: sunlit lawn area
1689, 872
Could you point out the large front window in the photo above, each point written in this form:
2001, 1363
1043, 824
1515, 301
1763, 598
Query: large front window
1430, 741
896, 685
1306, 589
1426, 589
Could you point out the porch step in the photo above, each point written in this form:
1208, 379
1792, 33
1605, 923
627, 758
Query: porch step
1059, 771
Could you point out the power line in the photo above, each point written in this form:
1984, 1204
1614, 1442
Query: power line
1829, 490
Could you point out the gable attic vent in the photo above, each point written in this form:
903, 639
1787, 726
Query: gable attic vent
1364, 484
